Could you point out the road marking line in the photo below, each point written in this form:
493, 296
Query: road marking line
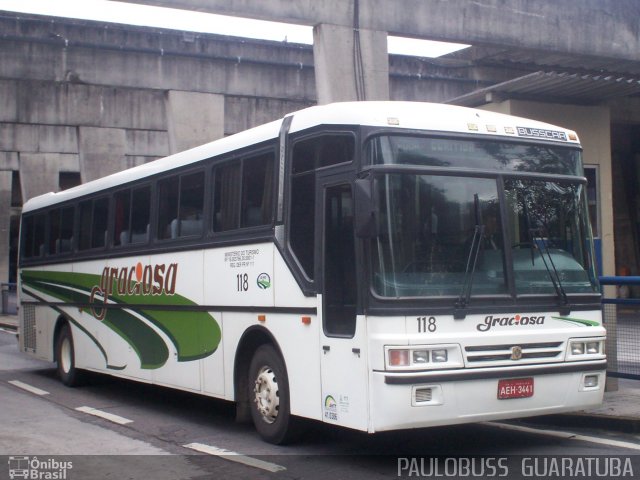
27, 387
107, 416
235, 457
566, 435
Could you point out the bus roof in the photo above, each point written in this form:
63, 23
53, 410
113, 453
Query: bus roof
386, 114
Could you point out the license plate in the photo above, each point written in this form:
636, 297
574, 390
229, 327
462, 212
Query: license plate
515, 388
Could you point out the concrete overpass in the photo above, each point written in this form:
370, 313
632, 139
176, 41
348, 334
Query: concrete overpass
81, 99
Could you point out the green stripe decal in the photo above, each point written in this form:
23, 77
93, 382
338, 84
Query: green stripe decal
195, 334
578, 321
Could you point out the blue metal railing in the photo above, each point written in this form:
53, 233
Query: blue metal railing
621, 317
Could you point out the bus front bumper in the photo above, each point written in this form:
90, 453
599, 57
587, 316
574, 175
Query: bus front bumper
425, 399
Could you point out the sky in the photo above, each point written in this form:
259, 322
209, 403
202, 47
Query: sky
132, 14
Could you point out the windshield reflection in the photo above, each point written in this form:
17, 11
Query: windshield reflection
428, 224
549, 218
427, 227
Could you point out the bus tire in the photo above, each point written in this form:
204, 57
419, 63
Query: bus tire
66, 358
269, 397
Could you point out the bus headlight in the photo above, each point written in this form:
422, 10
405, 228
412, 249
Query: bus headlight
423, 357
439, 356
420, 356
593, 348
585, 348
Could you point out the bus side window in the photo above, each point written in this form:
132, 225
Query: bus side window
84, 233
33, 236
67, 218
308, 155
54, 231
257, 190
140, 214
181, 200
189, 221
92, 232
167, 205
39, 236
226, 198
28, 240
121, 231
61, 230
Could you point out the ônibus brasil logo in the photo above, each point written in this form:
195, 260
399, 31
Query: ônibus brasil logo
139, 280
517, 320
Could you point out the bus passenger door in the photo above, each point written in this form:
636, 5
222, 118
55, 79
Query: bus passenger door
343, 345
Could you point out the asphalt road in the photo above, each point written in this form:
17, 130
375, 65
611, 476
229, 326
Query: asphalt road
52, 423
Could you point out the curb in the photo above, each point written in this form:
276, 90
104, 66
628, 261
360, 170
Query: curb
588, 420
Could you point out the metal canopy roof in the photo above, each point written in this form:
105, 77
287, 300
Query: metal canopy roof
580, 88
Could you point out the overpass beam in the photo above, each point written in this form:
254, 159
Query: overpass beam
350, 64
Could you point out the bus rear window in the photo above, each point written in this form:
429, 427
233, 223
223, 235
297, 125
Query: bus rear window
33, 234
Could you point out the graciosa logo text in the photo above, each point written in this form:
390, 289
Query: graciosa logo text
517, 320
138, 280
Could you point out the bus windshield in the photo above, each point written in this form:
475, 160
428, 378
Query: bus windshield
536, 231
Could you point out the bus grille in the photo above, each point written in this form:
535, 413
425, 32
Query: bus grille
548, 351
423, 395
29, 324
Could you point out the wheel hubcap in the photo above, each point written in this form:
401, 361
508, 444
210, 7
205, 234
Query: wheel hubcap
65, 355
266, 394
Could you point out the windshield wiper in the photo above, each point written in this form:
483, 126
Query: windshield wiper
554, 275
472, 260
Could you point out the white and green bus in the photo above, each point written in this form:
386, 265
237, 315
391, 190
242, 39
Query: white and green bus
374, 265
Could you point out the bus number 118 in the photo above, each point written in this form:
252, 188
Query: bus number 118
426, 324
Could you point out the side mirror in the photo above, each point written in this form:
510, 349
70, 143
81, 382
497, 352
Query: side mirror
366, 221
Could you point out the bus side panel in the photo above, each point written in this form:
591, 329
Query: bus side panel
181, 368
297, 341
300, 343
212, 368
97, 332
238, 276
37, 320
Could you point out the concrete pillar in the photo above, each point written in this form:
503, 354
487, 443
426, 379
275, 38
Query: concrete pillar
194, 119
343, 72
5, 223
102, 151
40, 172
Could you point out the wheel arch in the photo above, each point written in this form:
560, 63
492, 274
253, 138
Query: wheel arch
251, 339
61, 321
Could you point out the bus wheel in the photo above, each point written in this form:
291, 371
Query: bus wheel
66, 358
269, 396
